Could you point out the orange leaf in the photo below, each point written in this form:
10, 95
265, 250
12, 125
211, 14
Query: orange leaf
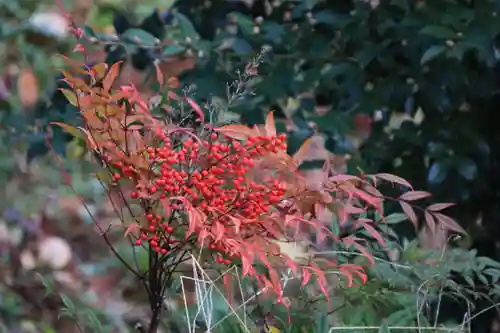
270, 124
239, 132
27, 88
299, 155
70, 129
99, 70
159, 74
77, 67
110, 78
414, 195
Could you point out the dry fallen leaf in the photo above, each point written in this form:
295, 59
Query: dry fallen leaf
28, 88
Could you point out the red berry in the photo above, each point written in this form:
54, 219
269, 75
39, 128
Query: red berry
220, 260
138, 242
170, 230
227, 262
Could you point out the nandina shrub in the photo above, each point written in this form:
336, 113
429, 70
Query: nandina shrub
230, 192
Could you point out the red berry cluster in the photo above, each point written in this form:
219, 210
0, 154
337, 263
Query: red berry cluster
214, 175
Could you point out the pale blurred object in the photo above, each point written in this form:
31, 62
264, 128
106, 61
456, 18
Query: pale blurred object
28, 88
54, 252
51, 23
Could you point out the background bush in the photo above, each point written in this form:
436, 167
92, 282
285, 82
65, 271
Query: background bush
420, 78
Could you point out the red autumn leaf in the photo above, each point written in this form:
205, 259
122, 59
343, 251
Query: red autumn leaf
439, 206
344, 179
246, 265
349, 278
408, 210
133, 229
393, 179
369, 199
365, 252
430, 222
374, 233
449, 223
306, 276
237, 223
197, 109
322, 282
166, 206
290, 263
219, 231
352, 241
414, 195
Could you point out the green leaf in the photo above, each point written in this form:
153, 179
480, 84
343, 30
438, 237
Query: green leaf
395, 218
494, 273
241, 46
438, 32
243, 22
401, 317
65, 313
488, 262
68, 303
94, 322
187, 28
384, 328
140, 37
172, 50
432, 52
47, 284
